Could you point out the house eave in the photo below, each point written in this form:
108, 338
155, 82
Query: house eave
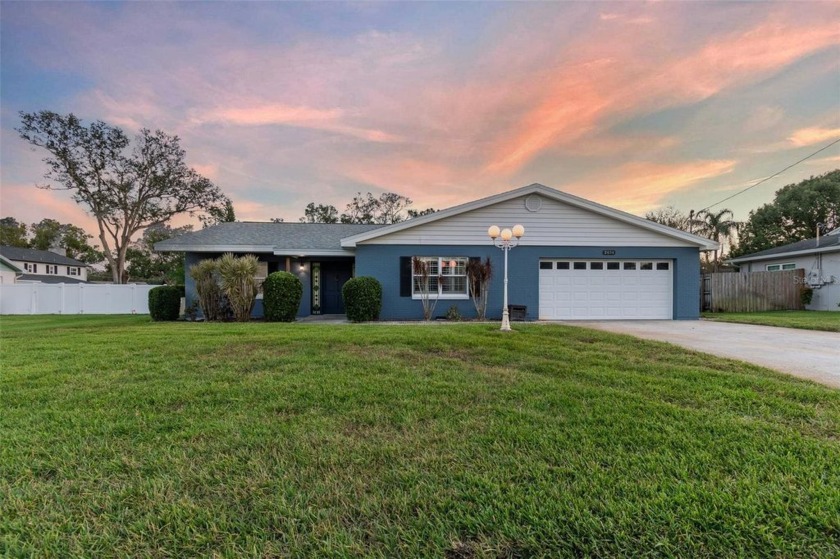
306, 252
782, 255
215, 248
563, 197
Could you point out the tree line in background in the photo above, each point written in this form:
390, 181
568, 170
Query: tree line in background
388, 208
47, 234
794, 215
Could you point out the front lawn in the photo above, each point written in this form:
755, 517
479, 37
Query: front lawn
807, 320
125, 438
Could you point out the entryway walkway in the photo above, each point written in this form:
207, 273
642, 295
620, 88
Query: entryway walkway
325, 319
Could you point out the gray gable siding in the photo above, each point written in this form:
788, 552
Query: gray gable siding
553, 223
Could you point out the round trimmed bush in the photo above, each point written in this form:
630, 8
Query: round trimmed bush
282, 292
165, 302
362, 299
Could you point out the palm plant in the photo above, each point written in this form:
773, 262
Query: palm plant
239, 283
719, 227
205, 274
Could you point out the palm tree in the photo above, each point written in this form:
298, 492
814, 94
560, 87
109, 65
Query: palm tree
719, 227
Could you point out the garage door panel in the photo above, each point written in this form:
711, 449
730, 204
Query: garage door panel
597, 290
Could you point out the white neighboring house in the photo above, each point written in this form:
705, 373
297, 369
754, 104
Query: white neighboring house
820, 258
27, 265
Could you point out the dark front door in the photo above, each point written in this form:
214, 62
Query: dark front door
333, 277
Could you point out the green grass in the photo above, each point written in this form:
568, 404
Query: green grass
125, 438
806, 320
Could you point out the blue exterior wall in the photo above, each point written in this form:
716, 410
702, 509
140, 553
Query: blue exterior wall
383, 263
275, 263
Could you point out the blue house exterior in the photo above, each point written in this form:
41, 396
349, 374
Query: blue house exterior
577, 259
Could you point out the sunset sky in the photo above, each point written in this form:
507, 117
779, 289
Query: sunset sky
633, 105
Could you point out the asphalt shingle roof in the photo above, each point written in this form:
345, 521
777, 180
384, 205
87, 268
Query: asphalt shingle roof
48, 279
826, 241
310, 236
33, 255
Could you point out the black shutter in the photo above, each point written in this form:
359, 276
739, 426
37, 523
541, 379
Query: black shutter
478, 285
405, 276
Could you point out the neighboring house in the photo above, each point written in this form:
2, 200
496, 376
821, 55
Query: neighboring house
8, 271
577, 260
820, 258
42, 266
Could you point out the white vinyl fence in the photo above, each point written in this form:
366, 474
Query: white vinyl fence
74, 298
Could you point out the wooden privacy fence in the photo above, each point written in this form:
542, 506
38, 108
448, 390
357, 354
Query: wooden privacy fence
752, 291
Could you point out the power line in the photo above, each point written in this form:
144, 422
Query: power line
771, 176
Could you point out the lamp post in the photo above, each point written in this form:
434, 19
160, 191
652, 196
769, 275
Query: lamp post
506, 239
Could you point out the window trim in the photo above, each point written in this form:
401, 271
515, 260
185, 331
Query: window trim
440, 295
780, 267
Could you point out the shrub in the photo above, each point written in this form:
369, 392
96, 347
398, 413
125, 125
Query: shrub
362, 299
239, 284
210, 296
165, 302
805, 295
453, 313
282, 292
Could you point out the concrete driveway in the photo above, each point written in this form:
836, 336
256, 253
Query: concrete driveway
803, 353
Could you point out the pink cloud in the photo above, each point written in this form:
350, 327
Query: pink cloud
30, 204
809, 136
637, 187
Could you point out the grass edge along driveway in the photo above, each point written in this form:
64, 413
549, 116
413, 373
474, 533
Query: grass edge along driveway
828, 321
123, 437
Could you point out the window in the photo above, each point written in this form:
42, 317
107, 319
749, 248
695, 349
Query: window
562, 265
646, 266
52, 269
546, 265
447, 277
31, 268
629, 265
262, 273
613, 265
596, 265
72, 271
662, 266
777, 267
580, 265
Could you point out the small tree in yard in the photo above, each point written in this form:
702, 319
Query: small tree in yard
478, 281
424, 280
239, 284
282, 293
205, 274
126, 190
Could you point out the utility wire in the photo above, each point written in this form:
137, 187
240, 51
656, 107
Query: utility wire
771, 176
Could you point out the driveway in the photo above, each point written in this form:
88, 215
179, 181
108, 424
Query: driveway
803, 353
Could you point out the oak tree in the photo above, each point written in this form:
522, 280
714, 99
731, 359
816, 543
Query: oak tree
125, 188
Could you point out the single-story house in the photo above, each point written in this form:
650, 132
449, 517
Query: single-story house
819, 258
40, 266
577, 259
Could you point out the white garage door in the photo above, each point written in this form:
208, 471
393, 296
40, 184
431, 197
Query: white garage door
606, 289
